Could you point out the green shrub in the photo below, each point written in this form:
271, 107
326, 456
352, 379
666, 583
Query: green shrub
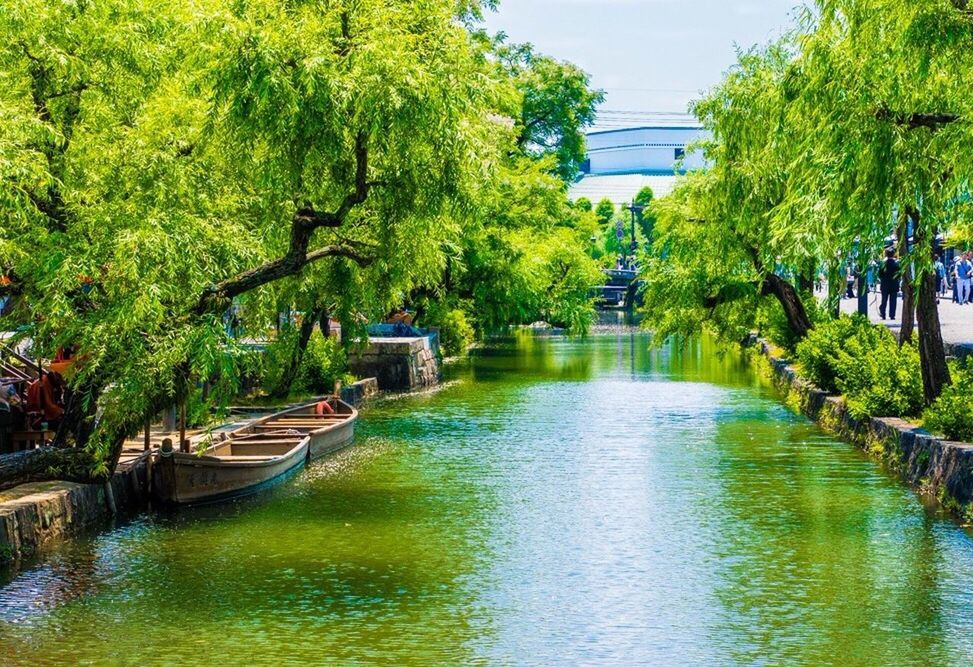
952, 413
864, 362
323, 364
456, 332
819, 353
885, 382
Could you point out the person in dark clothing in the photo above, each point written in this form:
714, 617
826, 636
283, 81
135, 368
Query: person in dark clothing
888, 278
850, 282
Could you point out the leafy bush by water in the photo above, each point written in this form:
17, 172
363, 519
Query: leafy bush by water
322, 365
864, 362
952, 413
456, 333
821, 352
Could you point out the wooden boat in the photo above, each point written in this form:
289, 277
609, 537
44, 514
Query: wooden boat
328, 432
253, 456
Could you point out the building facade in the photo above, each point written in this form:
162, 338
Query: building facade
621, 162
643, 150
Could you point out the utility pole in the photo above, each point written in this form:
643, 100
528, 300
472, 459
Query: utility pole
635, 209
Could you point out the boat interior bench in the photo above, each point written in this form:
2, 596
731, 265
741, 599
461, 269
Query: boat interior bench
260, 448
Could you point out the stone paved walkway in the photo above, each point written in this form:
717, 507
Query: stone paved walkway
957, 321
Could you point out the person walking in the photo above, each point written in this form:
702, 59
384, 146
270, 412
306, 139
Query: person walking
888, 278
850, 282
952, 276
964, 277
940, 270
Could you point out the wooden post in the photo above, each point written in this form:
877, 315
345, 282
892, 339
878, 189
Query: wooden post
183, 443
110, 499
147, 443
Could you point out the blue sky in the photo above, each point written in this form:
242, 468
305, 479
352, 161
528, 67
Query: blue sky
648, 55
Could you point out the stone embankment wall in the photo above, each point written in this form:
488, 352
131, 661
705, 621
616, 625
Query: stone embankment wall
359, 392
935, 468
399, 364
35, 515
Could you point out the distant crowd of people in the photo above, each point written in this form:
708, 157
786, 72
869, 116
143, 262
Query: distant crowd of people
957, 277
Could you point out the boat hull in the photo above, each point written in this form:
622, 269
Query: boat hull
254, 456
328, 441
188, 479
335, 435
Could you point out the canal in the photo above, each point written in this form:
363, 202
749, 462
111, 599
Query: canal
557, 502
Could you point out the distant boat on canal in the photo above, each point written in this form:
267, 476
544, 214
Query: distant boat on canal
255, 456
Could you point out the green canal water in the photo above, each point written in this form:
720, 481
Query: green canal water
558, 502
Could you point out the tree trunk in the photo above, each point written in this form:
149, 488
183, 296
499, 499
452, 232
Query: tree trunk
805, 280
908, 306
790, 301
932, 351
283, 387
73, 465
835, 288
77, 422
908, 276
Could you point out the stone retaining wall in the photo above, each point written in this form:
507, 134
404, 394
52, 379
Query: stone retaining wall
359, 392
933, 467
33, 516
398, 364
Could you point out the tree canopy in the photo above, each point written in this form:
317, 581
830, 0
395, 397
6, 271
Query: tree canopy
556, 104
162, 162
849, 129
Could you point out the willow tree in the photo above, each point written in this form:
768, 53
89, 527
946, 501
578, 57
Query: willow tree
722, 240
169, 163
881, 93
555, 104
519, 255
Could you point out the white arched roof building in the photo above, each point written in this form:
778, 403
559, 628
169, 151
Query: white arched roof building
621, 162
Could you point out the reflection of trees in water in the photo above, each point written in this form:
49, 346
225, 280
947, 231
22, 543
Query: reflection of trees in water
820, 556
529, 358
66, 575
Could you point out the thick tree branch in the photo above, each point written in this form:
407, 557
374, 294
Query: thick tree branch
730, 293
963, 6
933, 121
305, 222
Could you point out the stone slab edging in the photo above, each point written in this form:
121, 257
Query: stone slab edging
33, 516
932, 466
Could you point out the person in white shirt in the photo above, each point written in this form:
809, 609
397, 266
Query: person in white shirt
964, 277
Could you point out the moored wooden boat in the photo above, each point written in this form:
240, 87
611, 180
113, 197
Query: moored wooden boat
253, 456
328, 432
227, 469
